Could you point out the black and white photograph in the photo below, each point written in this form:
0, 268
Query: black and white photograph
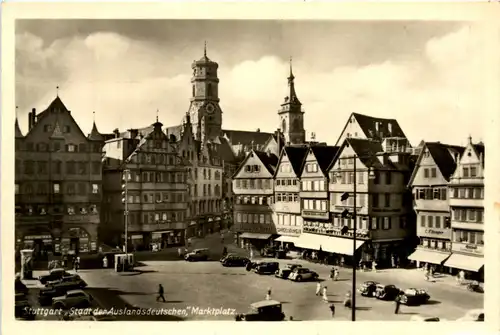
249, 170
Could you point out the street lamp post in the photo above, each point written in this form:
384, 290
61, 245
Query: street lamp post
353, 216
125, 177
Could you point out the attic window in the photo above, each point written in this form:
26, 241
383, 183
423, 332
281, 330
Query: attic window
67, 129
469, 153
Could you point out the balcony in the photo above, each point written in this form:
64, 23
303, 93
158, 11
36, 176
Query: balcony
476, 249
467, 225
312, 214
461, 202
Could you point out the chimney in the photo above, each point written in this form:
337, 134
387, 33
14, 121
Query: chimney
481, 158
258, 130
30, 121
116, 132
133, 133
33, 117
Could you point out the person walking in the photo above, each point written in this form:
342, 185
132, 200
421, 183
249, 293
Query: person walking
268, 295
318, 288
160, 293
179, 252
325, 296
335, 274
332, 309
251, 253
397, 301
105, 262
374, 266
427, 274
77, 263
462, 276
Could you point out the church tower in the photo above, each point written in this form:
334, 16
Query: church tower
291, 115
205, 99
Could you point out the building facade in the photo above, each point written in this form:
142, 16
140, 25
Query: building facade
157, 193
429, 184
466, 192
57, 184
253, 189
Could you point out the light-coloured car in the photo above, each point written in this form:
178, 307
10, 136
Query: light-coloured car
474, 315
73, 298
302, 274
197, 255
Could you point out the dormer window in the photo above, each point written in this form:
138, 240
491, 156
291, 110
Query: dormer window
71, 148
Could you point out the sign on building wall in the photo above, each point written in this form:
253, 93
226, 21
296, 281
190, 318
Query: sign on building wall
441, 233
287, 230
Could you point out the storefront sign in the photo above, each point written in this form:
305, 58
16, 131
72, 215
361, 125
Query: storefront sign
434, 232
288, 231
93, 246
477, 249
38, 237
136, 237
254, 228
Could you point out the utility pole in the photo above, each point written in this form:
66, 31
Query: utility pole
125, 178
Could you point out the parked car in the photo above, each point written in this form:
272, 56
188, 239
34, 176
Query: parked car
302, 274
197, 255
475, 315
414, 297
268, 252
266, 267
54, 274
251, 265
235, 261
386, 292
23, 308
56, 290
426, 318
285, 272
280, 254
226, 256
368, 288
266, 310
73, 298
74, 279
20, 287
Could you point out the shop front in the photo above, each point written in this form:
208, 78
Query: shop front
191, 229
77, 240
469, 258
137, 242
167, 238
288, 236
254, 235
41, 244
385, 252
423, 256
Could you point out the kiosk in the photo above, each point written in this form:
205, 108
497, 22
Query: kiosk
124, 262
27, 264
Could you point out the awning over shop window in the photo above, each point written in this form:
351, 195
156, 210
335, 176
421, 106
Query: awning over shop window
331, 244
255, 236
465, 262
429, 256
287, 239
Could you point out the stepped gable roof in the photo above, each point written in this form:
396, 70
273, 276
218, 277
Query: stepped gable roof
324, 154
296, 156
246, 137
269, 160
443, 158
368, 125
95, 135
17, 130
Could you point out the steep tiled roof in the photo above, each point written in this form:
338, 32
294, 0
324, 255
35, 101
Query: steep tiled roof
56, 104
443, 157
18, 131
296, 156
246, 137
366, 150
269, 160
95, 135
225, 151
324, 155
368, 125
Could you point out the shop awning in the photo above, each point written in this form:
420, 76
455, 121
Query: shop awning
255, 236
331, 244
429, 256
287, 239
464, 262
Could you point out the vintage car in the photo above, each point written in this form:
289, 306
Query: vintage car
414, 297
56, 290
73, 298
266, 310
226, 256
266, 267
54, 274
235, 260
475, 315
386, 292
75, 279
197, 255
368, 288
23, 308
285, 272
302, 274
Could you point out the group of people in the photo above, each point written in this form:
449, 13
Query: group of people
74, 260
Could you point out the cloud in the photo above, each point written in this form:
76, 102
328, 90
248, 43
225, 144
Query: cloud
435, 96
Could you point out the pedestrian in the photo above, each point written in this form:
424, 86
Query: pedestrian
268, 295
179, 252
336, 274
427, 275
105, 262
325, 296
397, 301
332, 309
374, 266
251, 253
160, 293
224, 251
462, 276
318, 288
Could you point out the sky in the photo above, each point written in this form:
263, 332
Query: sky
425, 74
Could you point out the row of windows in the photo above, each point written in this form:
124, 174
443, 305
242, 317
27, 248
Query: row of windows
362, 222
253, 218
252, 168
317, 205
253, 183
467, 193
286, 197
155, 158
72, 167
435, 193
469, 171
311, 167
467, 215
313, 185
42, 209
157, 176
431, 221
347, 177
289, 220
286, 182
207, 174
207, 190
430, 172
466, 236
43, 188
154, 217
206, 207
435, 244
253, 200
378, 200
156, 197
285, 167
57, 146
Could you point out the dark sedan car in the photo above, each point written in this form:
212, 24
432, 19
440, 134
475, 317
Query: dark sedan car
414, 297
267, 268
368, 288
54, 274
235, 261
55, 290
386, 292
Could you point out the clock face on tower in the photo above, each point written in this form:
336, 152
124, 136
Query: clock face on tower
210, 108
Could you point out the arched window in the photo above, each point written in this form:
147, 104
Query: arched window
283, 125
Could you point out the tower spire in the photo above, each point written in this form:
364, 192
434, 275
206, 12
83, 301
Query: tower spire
292, 96
157, 111
93, 116
291, 71
57, 90
205, 50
